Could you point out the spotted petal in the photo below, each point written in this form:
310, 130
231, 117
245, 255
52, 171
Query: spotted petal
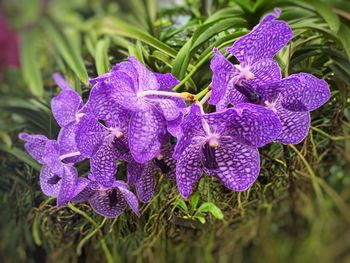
190, 127
146, 79
145, 129
303, 91
65, 106
131, 199
51, 157
35, 145
253, 125
146, 183
170, 109
108, 202
295, 125
66, 141
83, 190
188, 170
224, 73
265, 71
238, 165
89, 136
102, 105
166, 81
69, 182
125, 92
264, 41
103, 164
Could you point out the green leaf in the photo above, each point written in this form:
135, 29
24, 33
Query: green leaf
101, 56
194, 200
30, 65
67, 49
21, 155
115, 26
181, 204
326, 12
344, 36
212, 208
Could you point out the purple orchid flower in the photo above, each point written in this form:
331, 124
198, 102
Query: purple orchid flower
102, 134
58, 178
142, 175
255, 52
292, 99
107, 201
67, 111
223, 145
148, 96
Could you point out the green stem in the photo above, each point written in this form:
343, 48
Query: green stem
199, 64
201, 94
333, 138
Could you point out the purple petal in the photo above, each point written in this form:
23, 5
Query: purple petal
295, 125
83, 190
264, 41
35, 145
170, 109
108, 202
239, 165
188, 170
173, 127
303, 91
66, 141
125, 92
134, 172
103, 164
69, 182
223, 77
146, 183
102, 105
253, 125
65, 106
265, 71
145, 129
191, 126
166, 81
50, 182
61, 82
51, 157
146, 79
232, 96
89, 135
131, 199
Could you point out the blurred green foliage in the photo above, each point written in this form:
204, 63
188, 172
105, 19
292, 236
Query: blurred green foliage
298, 211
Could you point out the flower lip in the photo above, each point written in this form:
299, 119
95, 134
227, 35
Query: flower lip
112, 197
248, 90
209, 158
54, 179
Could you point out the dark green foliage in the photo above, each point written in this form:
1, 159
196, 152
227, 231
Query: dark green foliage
297, 211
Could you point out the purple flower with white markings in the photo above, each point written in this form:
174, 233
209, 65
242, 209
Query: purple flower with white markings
67, 111
148, 96
102, 134
292, 99
223, 145
255, 52
107, 201
58, 178
142, 175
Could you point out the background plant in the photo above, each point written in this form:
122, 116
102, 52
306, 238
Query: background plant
298, 211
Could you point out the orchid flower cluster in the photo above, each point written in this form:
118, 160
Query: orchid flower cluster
132, 114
